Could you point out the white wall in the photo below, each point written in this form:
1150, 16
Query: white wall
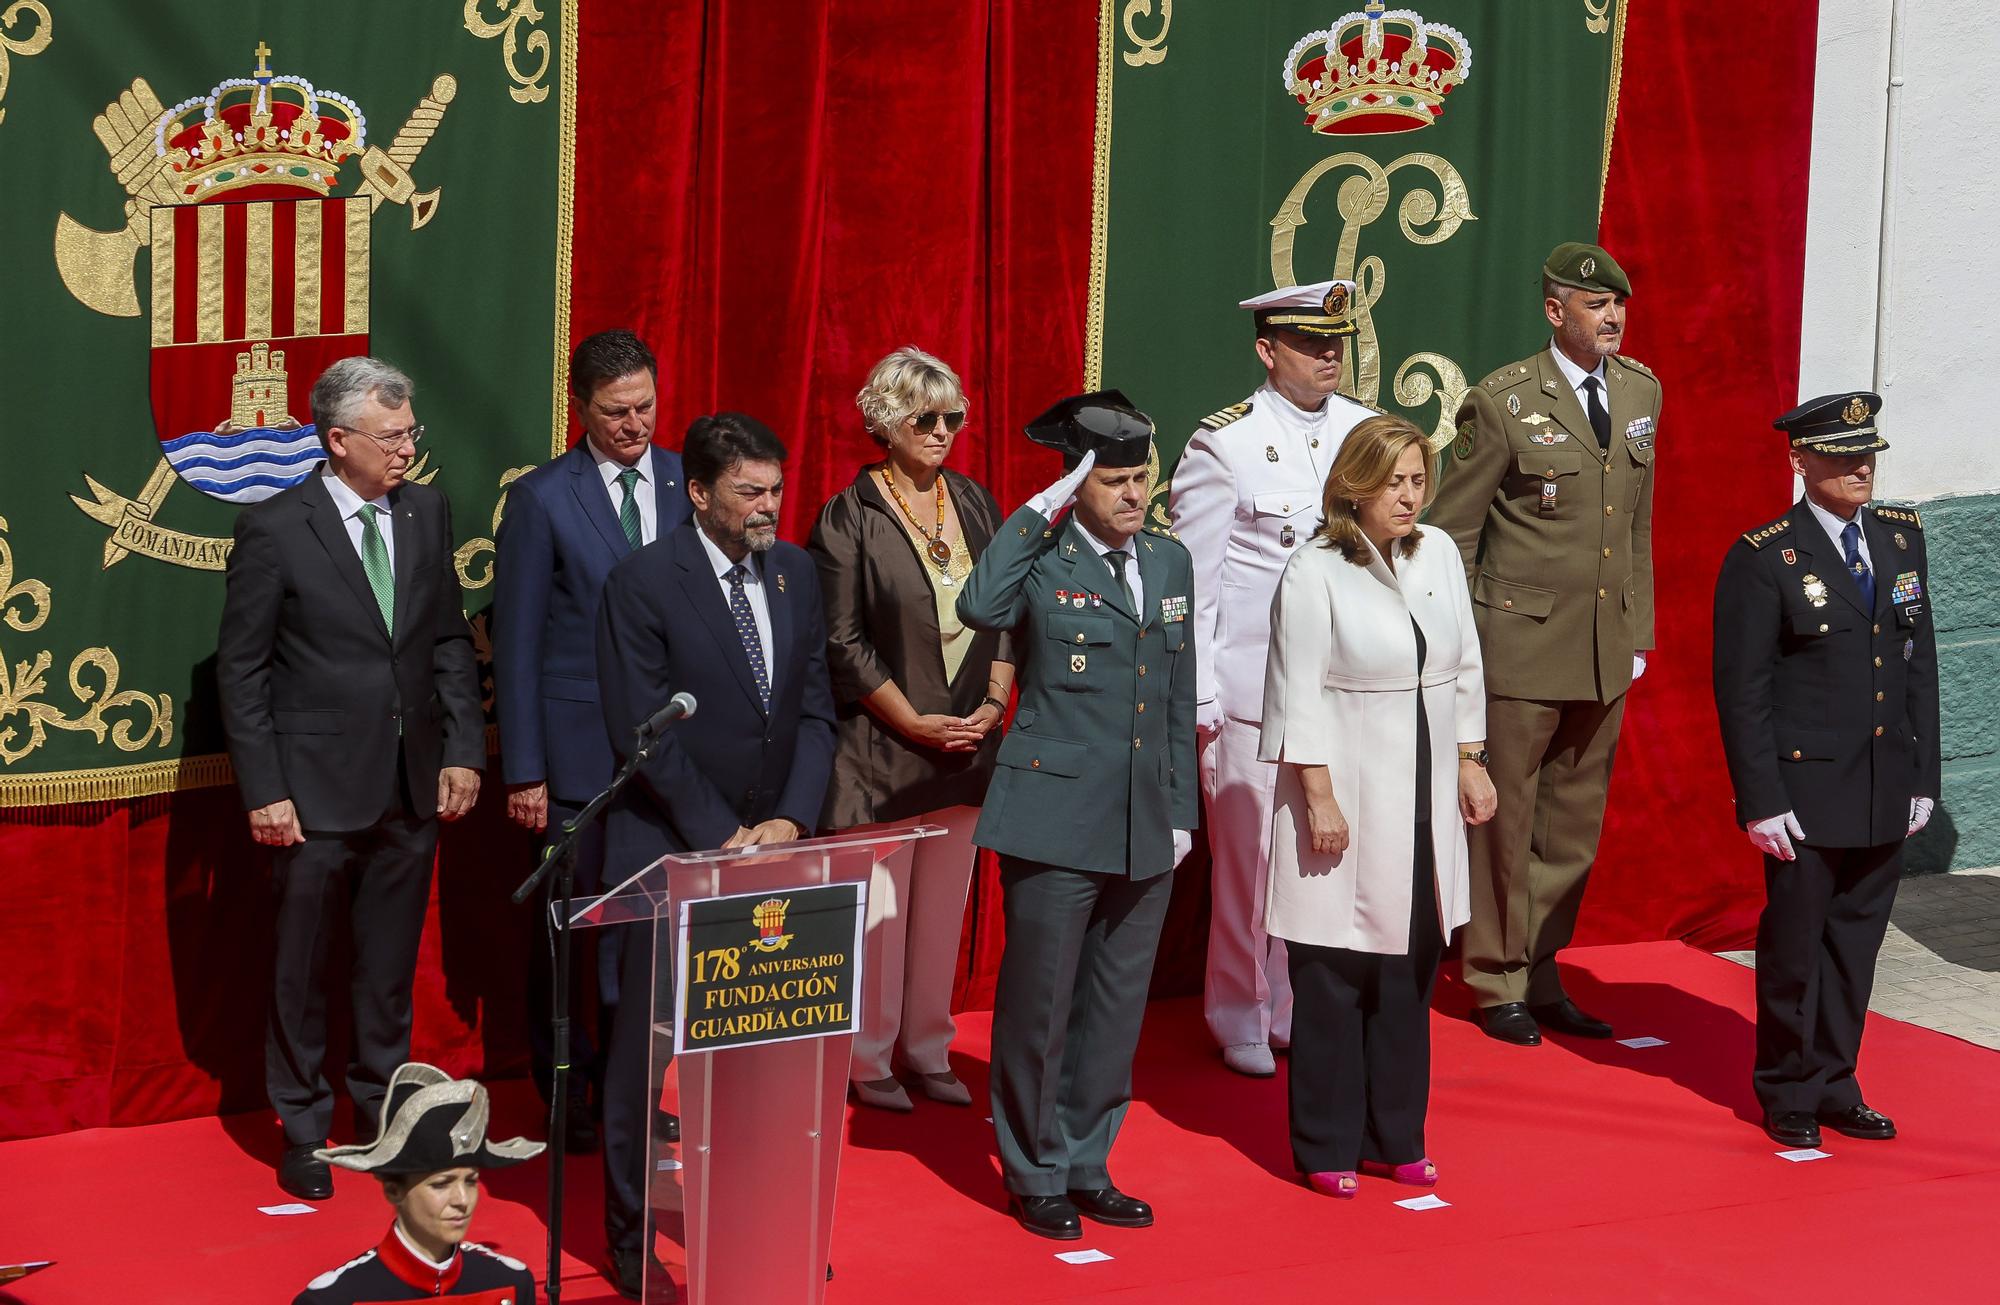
1921, 271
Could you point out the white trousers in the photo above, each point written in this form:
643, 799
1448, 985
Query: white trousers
916, 914
1247, 994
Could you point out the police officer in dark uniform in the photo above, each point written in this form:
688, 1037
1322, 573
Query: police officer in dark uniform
1826, 685
1091, 805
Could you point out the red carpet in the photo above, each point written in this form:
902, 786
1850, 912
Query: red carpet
1577, 1171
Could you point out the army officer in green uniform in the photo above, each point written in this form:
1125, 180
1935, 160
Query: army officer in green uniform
1826, 685
1549, 496
1090, 807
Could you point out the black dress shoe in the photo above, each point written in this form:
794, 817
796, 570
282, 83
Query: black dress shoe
1109, 1205
1793, 1128
1509, 1022
303, 1176
1046, 1216
1859, 1121
1564, 1017
666, 1126
627, 1268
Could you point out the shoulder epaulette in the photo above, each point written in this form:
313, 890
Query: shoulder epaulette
1512, 374
492, 1254
1217, 420
1760, 537
1164, 532
1635, 365
1908, 516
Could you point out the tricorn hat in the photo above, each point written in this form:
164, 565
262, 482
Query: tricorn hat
431, 1121
1840, 424
1103, 422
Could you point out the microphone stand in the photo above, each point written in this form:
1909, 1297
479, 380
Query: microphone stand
560, 858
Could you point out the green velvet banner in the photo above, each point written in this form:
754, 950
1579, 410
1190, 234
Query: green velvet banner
1435, 156
206, 206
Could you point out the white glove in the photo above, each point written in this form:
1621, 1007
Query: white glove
1768, 836
1207, 718
1920, 813
1061, 494
1183, 844
1638, 666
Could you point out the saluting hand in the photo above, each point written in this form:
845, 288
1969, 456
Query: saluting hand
1061, 494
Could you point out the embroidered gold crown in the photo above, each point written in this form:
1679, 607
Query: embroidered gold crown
266, 130
1375, 72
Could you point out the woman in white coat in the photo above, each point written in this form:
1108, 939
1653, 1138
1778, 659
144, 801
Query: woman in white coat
1375, 708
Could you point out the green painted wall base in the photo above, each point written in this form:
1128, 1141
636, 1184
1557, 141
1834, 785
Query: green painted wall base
1962, 537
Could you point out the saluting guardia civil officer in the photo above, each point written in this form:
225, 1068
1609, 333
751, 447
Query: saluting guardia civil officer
1091, 805
1245, 497
1549, 496
1827, 689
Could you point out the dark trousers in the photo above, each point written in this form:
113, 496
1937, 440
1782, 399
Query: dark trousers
377, 882
1069, 1000
635, 1062
1823, 921
1361, 1041
595, 978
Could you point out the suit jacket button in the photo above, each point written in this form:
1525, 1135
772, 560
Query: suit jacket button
1608, 509
1506, 602
1135, 742
1142, 706
1079, 637
1604, 593
1822, 629
1796, 754
1878, 629
1878, 698
1878, 728
1550, 473
1036, 764
1607, 552
1142, 669
1878, 661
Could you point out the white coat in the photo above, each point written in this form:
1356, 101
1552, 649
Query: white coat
1245, 497
1340, 692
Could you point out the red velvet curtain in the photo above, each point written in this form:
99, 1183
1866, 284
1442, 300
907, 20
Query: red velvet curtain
775, 196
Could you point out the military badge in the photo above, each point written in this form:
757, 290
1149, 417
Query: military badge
1548, 496
1638, 426
1901, 542
1062, 598
1335, 302
1462, 447
1174, 608
1097, 600
1076, 600
1270, 453
1534, 418
1815, 590
1909, 649
1855, 412
1791, 556
1907, 588
1587, 266
1548, 437
1076, 661
1514, 405
1287, 537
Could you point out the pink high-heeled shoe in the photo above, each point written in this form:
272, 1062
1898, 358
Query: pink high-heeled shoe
1341, 1184
1417, 1173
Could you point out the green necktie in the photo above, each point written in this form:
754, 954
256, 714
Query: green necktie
375, 561
628, 510
1116, 557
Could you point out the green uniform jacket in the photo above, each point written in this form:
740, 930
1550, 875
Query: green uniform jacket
1099, 767
1557, 537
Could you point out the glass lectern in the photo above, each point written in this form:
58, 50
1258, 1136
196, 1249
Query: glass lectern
757, 967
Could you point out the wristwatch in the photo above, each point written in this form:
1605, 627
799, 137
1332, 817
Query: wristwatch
1476, 758
994, 703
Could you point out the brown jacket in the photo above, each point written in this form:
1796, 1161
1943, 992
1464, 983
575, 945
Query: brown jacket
1557, 537
881, 624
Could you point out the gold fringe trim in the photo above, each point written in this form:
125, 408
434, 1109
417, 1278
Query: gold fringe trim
1611, 101
565, 230
1100, 204
112, 783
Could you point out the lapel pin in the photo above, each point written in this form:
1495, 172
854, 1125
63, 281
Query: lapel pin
781, 582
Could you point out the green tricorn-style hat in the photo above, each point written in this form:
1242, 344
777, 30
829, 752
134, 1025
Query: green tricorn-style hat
1840, 424
1587, 267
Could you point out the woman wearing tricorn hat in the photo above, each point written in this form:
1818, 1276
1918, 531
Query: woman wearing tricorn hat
428, 1153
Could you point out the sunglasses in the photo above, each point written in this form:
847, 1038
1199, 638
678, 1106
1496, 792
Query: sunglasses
926, 422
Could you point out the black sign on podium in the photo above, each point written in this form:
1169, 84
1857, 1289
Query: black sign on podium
768, 967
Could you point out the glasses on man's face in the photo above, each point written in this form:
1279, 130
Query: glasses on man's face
926, 422
391, 440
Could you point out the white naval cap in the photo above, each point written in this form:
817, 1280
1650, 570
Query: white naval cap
1322, 308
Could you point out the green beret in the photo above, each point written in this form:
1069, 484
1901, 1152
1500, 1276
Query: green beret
1586, 267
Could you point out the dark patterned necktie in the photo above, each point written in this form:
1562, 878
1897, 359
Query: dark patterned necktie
1850, 542
628, 511
1600, 419
746, 630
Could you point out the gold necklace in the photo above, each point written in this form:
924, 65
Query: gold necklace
935, 548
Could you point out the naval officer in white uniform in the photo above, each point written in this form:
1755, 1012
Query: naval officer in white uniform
1245, 496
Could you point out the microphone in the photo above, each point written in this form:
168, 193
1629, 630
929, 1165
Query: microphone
679, 707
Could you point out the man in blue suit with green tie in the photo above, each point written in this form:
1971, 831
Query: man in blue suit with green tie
567, 524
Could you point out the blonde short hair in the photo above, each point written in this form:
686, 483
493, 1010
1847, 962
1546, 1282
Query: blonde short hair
907, 381
1361, 470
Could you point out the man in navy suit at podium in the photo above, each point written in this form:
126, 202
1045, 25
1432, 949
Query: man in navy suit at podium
720, 609
567, 524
